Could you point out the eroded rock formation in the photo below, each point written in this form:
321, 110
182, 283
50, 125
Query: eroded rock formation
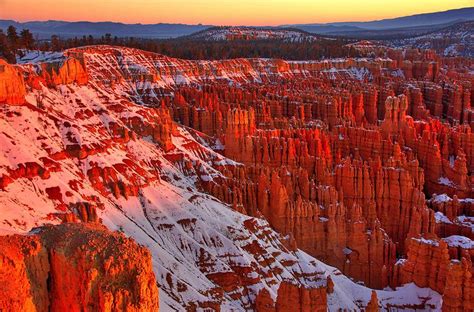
12, 85
365, 164
71, 267
429, 264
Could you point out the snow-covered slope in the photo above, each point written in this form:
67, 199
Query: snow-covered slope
78, 147
455, 40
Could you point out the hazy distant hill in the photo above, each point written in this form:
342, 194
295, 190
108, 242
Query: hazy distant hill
427, 19
327, 29
389, 33
72, 29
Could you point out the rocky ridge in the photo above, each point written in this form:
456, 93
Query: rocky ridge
252, 33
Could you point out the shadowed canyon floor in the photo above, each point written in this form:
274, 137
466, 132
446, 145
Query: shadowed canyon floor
256, 184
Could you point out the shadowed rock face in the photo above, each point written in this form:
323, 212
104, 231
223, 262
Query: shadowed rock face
429, 264
292, 298
72, 267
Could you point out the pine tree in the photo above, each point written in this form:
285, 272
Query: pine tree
12, 37
55, 43
108, 38
5, 49
26, 39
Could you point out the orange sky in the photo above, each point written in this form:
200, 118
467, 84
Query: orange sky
223, 12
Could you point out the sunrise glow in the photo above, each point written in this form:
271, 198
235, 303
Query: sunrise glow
222, 12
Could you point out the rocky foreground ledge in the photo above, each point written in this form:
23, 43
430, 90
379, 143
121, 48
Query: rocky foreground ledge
75, 267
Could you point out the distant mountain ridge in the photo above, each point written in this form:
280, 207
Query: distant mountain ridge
406, 26
78, 29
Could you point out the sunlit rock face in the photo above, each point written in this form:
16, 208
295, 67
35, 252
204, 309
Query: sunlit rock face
12, 85
73, 266
242, 178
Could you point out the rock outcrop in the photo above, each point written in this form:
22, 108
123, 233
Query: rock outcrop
293, 298
12, 85
428, 264
74, 267
72, 70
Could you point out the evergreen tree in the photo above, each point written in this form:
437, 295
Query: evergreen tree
26, 39
13, 38
108, 38
55, 43
5, 50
